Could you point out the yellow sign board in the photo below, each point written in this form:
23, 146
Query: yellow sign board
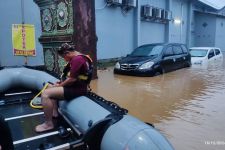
23, 38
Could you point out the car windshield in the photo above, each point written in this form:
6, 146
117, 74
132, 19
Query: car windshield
198, 52
147, 50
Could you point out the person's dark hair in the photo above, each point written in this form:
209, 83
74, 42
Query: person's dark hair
65, 48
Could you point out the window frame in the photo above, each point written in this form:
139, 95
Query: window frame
210, 51
216, 52
165, 54
174, 50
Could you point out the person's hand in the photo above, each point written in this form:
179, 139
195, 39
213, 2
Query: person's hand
56, 84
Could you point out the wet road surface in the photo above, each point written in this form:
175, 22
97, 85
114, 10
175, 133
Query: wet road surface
187, 105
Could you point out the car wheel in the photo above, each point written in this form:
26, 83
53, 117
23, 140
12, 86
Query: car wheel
158, 73
188, 64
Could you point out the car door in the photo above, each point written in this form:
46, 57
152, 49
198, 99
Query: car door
178, 57
219, 55
167, 62
186, 56
211, 56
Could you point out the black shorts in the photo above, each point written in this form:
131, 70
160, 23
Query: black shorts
72, 92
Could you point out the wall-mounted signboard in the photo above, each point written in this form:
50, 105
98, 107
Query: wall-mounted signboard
23, 38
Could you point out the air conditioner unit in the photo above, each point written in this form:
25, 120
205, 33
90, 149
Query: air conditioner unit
163, 14
146, 11
157, 13
129, 3
168, 15
114, 2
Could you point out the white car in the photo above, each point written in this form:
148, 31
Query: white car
205, 55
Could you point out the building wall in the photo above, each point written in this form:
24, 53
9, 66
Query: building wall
220, 33
209, 27
178, 31
205, 29
152, 32
10, 11
114, 31
192, 27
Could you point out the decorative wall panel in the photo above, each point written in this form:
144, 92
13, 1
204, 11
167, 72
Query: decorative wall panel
57, 28
71, 21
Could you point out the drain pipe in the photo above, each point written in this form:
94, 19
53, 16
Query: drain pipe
168, 25
137, 22
189, 26
181, 24
22, 11
23, 22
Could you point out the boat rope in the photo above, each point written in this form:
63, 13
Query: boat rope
31, 102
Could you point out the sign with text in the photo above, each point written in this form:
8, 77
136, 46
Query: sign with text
23, 38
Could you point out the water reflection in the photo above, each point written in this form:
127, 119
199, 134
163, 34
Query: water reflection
186, 105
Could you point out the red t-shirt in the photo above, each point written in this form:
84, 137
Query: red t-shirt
78, 66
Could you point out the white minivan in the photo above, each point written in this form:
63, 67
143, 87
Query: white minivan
205, 55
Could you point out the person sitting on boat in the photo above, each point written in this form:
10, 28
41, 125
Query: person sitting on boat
74, 82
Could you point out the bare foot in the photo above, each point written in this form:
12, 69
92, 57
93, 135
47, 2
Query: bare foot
44, 127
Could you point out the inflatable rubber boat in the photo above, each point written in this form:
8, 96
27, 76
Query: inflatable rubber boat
97, 123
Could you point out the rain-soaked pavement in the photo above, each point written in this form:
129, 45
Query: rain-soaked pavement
187, 105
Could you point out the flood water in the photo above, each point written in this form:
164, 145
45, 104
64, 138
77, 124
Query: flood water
187, 105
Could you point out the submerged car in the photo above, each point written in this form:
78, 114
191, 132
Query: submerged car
205, 55
154, 59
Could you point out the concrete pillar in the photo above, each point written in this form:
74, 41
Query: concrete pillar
137, 22
189, 20
85, 38
167, 31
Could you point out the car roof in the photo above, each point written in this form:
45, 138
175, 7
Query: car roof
163, 44
204, 48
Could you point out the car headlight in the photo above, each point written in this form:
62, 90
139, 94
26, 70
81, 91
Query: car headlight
146, 65
117, 66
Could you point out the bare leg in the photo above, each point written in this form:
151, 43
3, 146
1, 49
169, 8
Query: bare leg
55, 105
49, 97
55, 109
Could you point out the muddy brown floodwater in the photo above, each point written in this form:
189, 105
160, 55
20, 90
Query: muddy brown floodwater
187, 106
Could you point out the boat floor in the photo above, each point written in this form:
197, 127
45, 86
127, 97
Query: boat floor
22, 120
